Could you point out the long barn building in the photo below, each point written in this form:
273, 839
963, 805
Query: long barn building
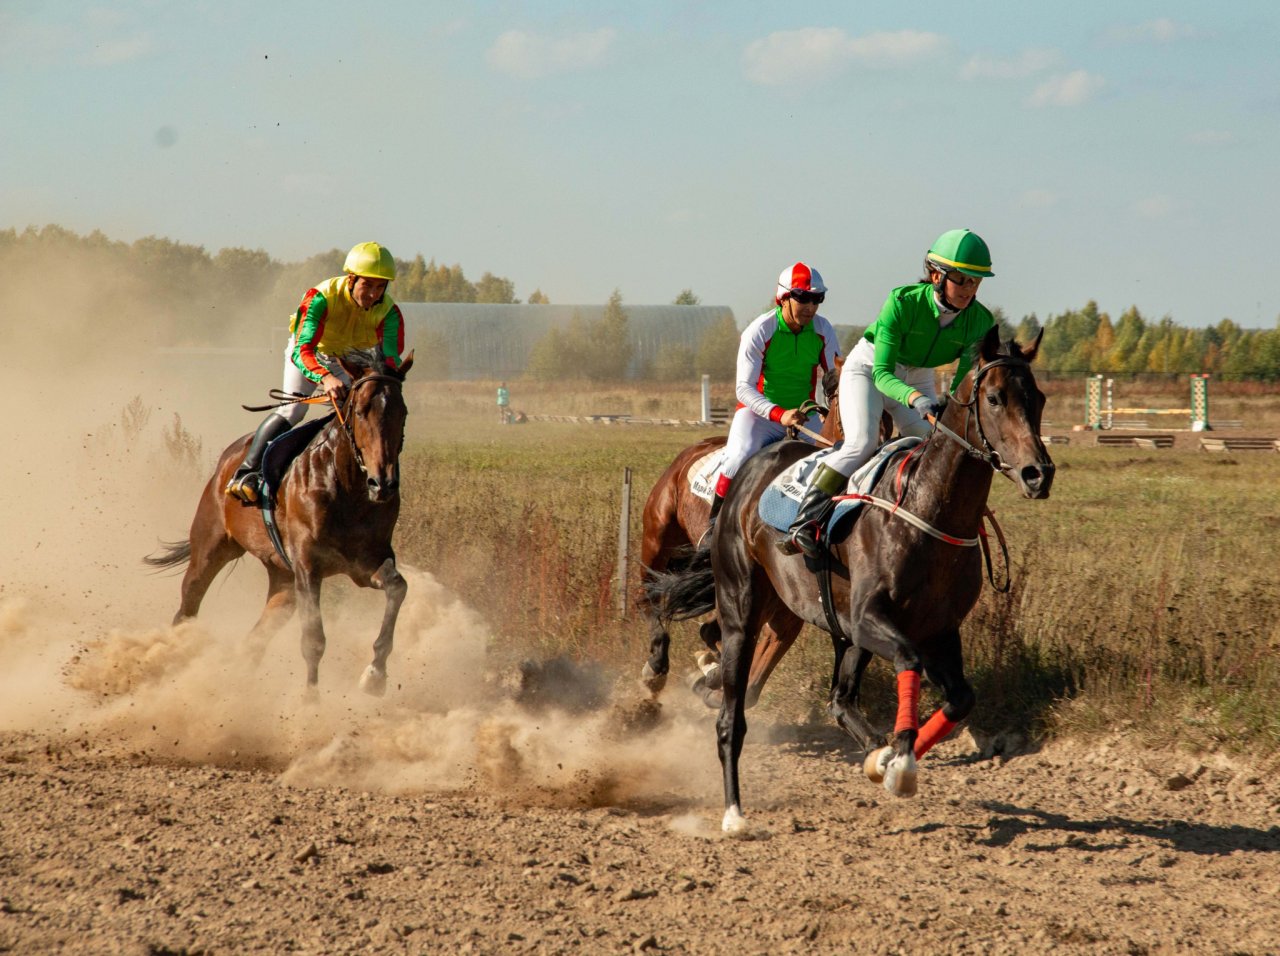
494, 341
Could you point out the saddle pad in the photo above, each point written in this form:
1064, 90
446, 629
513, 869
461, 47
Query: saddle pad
281, 452
781, 500
704, 473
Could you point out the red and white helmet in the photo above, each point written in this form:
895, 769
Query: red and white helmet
798, 278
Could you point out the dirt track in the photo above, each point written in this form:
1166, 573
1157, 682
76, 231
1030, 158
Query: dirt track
1071, 849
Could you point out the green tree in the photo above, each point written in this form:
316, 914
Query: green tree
445, 284
495, 289
673, 363
717, 353
686, 297
538, 297
611, 336
411, 280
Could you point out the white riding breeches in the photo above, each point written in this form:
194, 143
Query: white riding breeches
748, 433
861, 405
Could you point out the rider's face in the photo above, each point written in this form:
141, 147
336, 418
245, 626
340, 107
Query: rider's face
367, 291
798, 314
958, 289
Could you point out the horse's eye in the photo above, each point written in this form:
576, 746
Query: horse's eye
993, 399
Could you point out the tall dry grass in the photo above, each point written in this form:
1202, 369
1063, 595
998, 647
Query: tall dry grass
1144, 591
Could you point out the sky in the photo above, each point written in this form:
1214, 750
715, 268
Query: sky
1124, 153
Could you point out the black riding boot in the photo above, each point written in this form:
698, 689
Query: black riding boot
246, 483
717, 502
814, 513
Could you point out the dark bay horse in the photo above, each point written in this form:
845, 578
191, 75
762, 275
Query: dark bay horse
675, 521
900, 587
336, 509
674, 524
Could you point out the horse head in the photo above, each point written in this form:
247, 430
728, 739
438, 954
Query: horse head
1002, 407
374, 415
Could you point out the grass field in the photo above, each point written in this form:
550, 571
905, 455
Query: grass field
1145, 595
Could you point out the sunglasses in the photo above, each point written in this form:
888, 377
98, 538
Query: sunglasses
809, 298
962, 280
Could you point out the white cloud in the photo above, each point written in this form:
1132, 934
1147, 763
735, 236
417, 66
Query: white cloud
529, 56
1038, 199
1153, 207
1162, 30
124, 50
816, 53
1066, 89
1027, 63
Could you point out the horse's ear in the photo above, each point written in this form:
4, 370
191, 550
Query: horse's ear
990, 347
839, 362
407, 363
1029, 351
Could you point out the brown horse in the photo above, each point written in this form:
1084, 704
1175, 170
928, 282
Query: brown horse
336, 509
675, 521
902, 582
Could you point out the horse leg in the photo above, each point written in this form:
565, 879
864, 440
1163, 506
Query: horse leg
387, 578
211, 551
895, 764
775, 640
739, 624
846, 683
945, 667
307, 587
281, 602
654, 673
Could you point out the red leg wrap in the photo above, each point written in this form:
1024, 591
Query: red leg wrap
908, 702
937, 727
722, 485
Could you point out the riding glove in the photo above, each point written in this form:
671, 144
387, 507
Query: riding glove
930, 406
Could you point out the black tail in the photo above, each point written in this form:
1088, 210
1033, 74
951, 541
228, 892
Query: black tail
685, 593
176, 553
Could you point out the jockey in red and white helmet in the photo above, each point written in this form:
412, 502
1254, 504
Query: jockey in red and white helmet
781, 358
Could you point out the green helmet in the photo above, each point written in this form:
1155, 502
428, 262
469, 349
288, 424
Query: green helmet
963, 251
370, 260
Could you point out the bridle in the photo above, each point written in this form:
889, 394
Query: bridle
345, 421
987, 453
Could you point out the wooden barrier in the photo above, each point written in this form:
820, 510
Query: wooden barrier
1112, 440
1240, 444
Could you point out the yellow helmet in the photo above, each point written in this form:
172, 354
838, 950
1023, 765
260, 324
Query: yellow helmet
370, 260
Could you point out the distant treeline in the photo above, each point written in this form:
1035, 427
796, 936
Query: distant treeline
192, 297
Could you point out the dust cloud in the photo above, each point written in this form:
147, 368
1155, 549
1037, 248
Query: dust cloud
110, 443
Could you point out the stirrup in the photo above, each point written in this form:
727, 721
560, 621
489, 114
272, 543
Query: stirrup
246, 487
791, 543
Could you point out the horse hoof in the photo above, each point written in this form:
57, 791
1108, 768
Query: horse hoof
708, 661
373, 682
712, 697
651, 681
900, 776
734, 822
876, 763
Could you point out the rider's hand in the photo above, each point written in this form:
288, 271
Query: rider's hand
793, 417
932, 407
334, 387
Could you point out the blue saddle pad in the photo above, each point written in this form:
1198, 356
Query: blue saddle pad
281, 452
780, 502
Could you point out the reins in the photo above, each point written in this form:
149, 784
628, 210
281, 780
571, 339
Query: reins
283, 398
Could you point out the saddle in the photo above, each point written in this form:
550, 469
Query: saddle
281, 453
704, 472
780, 502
